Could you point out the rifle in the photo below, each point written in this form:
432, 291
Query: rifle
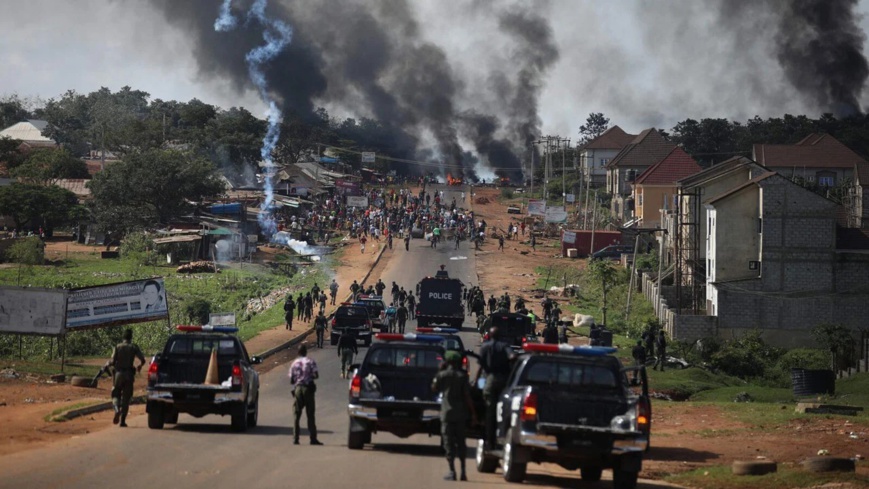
106, 370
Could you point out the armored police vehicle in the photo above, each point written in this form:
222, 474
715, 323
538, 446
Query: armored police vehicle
440, 301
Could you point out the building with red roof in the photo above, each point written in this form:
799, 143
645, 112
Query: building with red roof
656, 188
817, 158
648, 148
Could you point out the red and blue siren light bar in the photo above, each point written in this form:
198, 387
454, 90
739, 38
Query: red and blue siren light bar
408, 337
437, 330
207, 329
589, 351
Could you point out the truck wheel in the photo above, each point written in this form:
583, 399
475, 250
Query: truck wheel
239, 417
623, 479
486, 464
513, 471
253, 414
171, 416
333, 340
356, 439
591, 474
156, 416
367, 341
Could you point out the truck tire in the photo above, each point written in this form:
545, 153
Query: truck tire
171, 416
333, 339
829, 464
367, 341
239, 417
156, 416
356, 439
623, 479
253, 414
591, 474
486, 463
513, 471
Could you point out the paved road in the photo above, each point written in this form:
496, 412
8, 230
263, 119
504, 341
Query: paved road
204, 452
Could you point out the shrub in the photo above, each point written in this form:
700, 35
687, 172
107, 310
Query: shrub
139, 247
27, 251
198, 311
746, 357
507, 193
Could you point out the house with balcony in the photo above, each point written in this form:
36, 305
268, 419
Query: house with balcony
818, 158
656, 189
648, 148
597, 153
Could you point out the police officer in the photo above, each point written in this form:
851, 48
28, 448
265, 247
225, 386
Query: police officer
289, 306
354, 288
456, 408
320, 327
401, 316
550, 334
495, 357
411, 305
347, 349
122, 388
303, 373
661, 350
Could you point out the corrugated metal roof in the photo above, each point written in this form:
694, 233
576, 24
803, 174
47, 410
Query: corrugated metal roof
814, 151
27, 131
177, 239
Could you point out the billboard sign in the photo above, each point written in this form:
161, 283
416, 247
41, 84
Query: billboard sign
570, 198
536, 207
569, 237
122, 303
356, 201
222, 319
30, 310
555, 213
368, 157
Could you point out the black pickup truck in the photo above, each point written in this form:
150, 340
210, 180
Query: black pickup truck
354, 317
573, 406
515, 328
176, 380
391, 389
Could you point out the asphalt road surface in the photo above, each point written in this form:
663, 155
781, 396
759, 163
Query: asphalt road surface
198, 453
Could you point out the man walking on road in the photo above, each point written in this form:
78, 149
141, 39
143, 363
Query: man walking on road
411, 305
122, 388
407, 242
401, 317
354, 287
533, 242
333, 291
347, 349
501, 243
303, 373
320, 327
495, 357
456, 407
289, 305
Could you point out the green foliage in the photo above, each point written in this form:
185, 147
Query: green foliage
27, 251
197, 310
747, 357
9, 152
595, 125
787, 477
647, 261
507, 193
32, 206
44, 166
150, 188
139, 248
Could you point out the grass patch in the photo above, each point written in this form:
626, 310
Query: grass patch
59, 414
758, 393
50, 367
788, 476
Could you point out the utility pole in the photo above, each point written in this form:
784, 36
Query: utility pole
563, 174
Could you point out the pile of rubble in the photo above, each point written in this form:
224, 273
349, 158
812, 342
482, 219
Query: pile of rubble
258, 305
198, 267
482, 200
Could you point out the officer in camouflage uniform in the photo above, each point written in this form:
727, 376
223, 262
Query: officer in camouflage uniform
456, 408
122, 388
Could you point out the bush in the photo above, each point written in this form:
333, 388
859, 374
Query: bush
198, 311
507, 193
139, 247
747, 357
27, 251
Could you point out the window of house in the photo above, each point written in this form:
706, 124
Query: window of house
640, 199
826, 181
604, 161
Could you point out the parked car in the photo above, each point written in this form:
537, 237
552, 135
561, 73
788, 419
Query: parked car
612, 251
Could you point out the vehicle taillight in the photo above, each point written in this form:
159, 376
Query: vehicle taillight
486, 337
333, 322
236, 374
529, 407
644, 413
465, 363
356, 386
152, 372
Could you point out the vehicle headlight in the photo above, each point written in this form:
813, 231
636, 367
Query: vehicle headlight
624, 422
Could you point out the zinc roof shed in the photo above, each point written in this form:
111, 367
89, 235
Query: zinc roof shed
29, 132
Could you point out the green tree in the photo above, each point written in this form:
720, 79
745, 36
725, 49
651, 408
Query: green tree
27, 251
838, 340
13, 110
45, 166
603, 272
9, 153
594, 126
32, 206
151, 188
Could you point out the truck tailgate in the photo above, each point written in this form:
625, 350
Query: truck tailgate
566, 407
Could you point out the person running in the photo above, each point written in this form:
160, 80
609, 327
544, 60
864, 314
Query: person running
347, 349
125, 372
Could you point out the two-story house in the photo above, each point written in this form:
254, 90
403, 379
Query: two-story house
656, 188
595, 154
773, 263
648, 148
819, 158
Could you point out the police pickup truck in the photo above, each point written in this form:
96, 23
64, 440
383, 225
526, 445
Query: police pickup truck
440, 301
177, 378
391, 389
351, 317
572, 406
376, 310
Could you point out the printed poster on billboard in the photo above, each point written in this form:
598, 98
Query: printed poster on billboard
569, 237
122, 303
555, 213
31, 310
536, 207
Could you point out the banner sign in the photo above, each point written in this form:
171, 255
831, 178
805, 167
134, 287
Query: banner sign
536, 207
31, 310
368, 157
345, 184
555, 213
569, 237
570, 198
222, 319
356, 201
127, 302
